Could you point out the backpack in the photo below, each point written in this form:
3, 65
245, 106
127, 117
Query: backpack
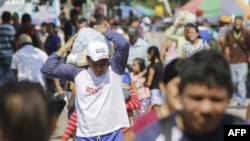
213, 43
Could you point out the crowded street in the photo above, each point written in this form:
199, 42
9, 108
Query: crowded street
124, 70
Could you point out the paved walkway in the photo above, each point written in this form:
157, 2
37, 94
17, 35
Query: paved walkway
60, 126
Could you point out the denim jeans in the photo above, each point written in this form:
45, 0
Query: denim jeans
239, 76
5, 71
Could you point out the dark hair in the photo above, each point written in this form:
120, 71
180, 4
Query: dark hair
91, 24
73, 12
154, 52
15, 14
6, 16
209, 68
44, 24
141, 63
52, 24
188, 25
173, 69
26, 18
82, 20
238, 18
24, 111
205, 21
186, 28
196, 29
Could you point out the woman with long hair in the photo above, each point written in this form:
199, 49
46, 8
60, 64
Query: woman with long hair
153, 77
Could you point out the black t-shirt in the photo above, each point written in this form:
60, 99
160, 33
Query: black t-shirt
69, 29
158, 68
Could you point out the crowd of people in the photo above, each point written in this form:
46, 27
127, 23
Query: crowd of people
140, 92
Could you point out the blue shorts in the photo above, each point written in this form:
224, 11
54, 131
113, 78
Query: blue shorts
114, 136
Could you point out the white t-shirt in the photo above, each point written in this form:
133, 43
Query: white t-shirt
95, 113
28, 61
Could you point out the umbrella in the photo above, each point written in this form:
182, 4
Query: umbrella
127, 8
213, 9
145, 10
137, 9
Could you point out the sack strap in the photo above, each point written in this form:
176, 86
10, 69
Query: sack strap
167, 124
240, 45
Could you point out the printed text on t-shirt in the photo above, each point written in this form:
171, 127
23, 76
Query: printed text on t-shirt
93, 90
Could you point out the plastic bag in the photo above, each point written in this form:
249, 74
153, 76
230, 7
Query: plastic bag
78, 54
188, 16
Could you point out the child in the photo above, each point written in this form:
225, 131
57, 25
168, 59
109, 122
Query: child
126, 85
129, 90
170, 85
153, 77
138, 70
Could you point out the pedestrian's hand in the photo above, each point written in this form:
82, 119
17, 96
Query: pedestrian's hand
92, 19
68, 106
67, 46
100, 28
180, 22
61, 92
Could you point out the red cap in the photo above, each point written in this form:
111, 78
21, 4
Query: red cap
199, 12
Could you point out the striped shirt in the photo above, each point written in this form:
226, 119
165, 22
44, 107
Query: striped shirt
188, 49
7, 36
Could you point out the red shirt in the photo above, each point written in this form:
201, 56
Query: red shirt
26, 29
143, 121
